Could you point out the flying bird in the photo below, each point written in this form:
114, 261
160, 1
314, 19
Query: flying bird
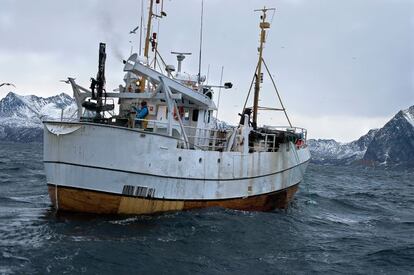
7, 84
134, 31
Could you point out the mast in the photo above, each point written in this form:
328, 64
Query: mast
151, 39
147, 37
258, 76
147, 40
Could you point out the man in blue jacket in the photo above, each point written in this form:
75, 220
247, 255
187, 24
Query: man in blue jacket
142, 113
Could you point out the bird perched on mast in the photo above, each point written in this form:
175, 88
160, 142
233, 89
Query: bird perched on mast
7, 84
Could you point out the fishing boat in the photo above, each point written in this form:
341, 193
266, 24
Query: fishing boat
108, 160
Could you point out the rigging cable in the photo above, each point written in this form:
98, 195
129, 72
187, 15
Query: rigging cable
208, 74
277, 92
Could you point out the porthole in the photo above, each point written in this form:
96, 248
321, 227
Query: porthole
218, 160
179, 158
199, 160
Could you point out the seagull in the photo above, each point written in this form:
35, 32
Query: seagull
7, 84
134, 31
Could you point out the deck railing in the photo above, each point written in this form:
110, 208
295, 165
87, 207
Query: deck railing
268, 143
296, 130
208, 138
198, 138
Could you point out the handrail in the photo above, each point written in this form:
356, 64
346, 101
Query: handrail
62, 119
284, 127
201, 138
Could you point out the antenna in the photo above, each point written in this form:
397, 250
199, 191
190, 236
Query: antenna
201, 41
180, 58
208, 74
266, 9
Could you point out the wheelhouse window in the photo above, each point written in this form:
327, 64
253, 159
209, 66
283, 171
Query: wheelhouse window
195, 115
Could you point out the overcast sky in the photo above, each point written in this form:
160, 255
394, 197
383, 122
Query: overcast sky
342, 67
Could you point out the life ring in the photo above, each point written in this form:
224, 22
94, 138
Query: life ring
299, 143
180, 112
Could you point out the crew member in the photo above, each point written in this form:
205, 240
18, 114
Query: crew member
142, 113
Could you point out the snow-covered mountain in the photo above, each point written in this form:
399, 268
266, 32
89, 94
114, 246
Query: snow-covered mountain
21, 116
393, 144
333, 152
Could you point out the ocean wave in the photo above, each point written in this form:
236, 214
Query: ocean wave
343, 221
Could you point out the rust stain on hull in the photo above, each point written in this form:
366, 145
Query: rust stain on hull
80, 200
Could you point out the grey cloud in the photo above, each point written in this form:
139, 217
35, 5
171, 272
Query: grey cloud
329, 57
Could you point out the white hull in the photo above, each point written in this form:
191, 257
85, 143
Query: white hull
107, 158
